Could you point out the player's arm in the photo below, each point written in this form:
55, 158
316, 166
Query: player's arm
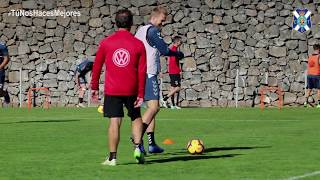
97, 67
5, 54
142, 71
155, 40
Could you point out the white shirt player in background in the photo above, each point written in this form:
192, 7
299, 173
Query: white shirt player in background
155, 46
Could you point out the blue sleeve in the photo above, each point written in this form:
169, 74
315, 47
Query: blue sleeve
155, 40
4, 50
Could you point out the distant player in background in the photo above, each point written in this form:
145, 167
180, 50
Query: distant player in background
82, 69
155, 46
4, 60
313, 77
175, 75
124, 57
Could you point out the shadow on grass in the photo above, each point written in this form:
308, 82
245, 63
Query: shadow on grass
190, 157
214, 149
187, 157
44, 121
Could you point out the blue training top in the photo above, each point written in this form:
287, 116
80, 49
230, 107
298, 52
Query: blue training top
3, 51
84, 67
155, 40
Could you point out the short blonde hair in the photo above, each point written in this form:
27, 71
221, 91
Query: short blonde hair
159, 10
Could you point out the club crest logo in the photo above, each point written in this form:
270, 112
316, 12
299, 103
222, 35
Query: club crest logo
301, 20
121, 57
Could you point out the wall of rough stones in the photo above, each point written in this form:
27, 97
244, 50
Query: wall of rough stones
220, 36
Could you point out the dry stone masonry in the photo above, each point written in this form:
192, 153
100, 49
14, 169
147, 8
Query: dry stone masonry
220, 37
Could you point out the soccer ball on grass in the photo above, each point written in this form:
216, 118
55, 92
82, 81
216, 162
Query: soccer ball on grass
100, 109
195, 146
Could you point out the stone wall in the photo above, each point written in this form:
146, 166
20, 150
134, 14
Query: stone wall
220, 36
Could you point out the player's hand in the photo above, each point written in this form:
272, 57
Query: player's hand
180, 55
94, 95
161, 75
138, 102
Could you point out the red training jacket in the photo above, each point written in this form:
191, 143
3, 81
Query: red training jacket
174, 66
124, 57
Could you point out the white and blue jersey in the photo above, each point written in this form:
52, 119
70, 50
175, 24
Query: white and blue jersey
155, 46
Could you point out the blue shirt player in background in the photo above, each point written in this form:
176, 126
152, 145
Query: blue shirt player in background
82, 69
4, 60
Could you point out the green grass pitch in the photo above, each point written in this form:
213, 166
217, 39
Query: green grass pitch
69, 143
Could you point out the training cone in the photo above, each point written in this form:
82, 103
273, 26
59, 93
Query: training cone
168, 141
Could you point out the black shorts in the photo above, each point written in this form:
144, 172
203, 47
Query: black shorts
113, 106
175, 80
2, 78
313, 82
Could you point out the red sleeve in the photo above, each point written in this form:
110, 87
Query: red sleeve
173, 58
97, 66
142, 71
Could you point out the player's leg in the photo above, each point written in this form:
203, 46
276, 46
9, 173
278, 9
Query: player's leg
173, 83
136, 125
308, 93
318, 91
153, 147
82, 90
177, 101
3, 93
113, 138
152, 95
318, 106
172, 92
310, 86
153, 108
173, 104
115, 113
6, 97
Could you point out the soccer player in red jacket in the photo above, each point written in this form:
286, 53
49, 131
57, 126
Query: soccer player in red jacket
124, 57
175, 75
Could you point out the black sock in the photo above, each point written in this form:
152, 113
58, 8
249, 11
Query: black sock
172, 100
178, 95
318, 101
112, 155
80, 100
151, 138
7, 97
165, 97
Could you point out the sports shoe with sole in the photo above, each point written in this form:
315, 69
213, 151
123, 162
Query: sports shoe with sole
305, 104
107, 162
163, 103
318, 106
138, 156
81, 105
141, 146
155, 149
177, 107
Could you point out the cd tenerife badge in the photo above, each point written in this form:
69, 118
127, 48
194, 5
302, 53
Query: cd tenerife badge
301, 20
